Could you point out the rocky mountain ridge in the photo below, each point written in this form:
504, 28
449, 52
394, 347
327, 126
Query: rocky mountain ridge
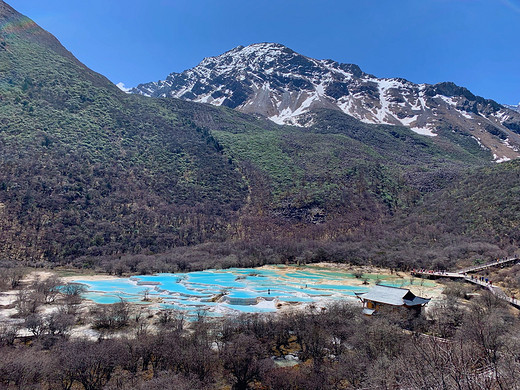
274, 81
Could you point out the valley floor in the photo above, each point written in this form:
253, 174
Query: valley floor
307, 345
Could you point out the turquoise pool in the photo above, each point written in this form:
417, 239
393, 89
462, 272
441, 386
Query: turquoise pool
235, 290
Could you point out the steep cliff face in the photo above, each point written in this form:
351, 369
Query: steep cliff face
272, 80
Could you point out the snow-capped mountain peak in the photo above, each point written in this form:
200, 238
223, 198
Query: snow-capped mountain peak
274, 81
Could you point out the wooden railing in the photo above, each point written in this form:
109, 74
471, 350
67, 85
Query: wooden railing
484, 283
489, 265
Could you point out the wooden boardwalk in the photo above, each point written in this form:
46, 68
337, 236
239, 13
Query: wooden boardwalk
493, 264
495, 290
463, 275
437, 274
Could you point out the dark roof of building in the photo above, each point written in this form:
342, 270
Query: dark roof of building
416, 301
393, 296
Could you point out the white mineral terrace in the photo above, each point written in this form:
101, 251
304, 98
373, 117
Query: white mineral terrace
248, 290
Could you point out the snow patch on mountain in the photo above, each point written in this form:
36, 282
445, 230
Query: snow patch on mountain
478, 142
273, 81
423, 131
122, 87
501, 159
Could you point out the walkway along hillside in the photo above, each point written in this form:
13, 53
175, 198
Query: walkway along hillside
480, 281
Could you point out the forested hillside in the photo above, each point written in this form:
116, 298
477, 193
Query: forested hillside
86, 169
90, 173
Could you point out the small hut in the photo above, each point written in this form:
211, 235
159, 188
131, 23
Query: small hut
380, 296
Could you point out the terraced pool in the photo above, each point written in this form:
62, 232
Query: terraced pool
248, 290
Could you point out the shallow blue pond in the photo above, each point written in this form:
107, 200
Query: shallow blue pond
220, 292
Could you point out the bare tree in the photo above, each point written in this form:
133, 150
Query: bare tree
429, 362
72, 293
27, 302
146, 294
36, 324
8, 333
448, 316
244, 360
172, 319
114, 316
59, 324
89, 363
170, 381
23, 369
12, 277
47, 289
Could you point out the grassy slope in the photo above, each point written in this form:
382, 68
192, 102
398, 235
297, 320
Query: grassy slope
485, 202
86, 169
475, 218
341, 163
346, 190
396, 196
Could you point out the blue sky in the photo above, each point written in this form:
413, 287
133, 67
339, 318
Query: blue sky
474, 43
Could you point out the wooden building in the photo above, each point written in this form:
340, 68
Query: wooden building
380, 296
